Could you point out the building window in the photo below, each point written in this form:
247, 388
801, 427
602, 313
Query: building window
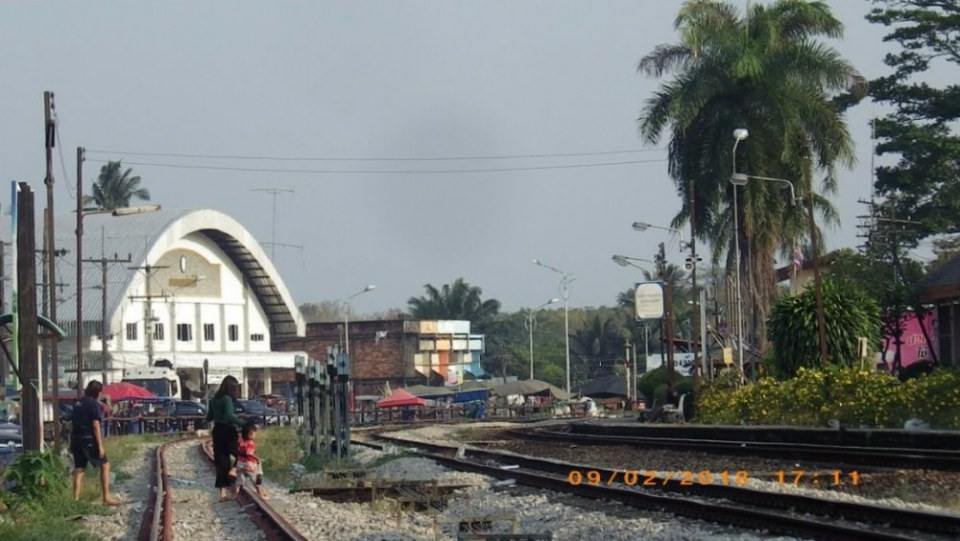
158, 331
208, 332
233, 332
131, 331
184, 332
256, 337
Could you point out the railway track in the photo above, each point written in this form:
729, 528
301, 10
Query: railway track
846, 455
157, 523
784, 513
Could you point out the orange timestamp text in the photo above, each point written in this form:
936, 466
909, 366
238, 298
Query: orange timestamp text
651, 478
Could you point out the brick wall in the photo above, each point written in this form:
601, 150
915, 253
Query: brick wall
374, 359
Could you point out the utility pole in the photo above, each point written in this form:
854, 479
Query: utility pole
79, 265
667, 316
31, 418
698, 322
273, 232
104, 325
148, 318
50, 137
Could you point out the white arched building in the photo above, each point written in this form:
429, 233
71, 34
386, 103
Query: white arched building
197, 287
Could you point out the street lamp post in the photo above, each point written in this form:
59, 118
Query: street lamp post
81, 213
738, 135
623, 261
741, 179
530, 323
565, 280
346, 316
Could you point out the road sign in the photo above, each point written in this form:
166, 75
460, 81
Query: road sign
648, 300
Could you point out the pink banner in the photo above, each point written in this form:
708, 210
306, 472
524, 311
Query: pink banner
914, 346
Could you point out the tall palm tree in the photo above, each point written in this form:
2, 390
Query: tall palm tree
459, 300
768, 73
115, 188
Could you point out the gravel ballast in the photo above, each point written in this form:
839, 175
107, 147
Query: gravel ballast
197, 513
935, 491
569, 518
132, 490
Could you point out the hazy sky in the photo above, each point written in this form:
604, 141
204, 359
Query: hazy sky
381, 79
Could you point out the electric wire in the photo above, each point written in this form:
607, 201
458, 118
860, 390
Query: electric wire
388, 171
374, 158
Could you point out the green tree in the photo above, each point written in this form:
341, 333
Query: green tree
115, 188
768, 73
597, 346
458, 300
921, 131
852, 314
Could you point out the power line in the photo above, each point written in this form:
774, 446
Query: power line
374, 159
388, 171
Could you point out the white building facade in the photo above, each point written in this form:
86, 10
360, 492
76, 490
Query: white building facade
198, 288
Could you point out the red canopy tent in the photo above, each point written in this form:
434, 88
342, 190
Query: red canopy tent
399, 399
125, 391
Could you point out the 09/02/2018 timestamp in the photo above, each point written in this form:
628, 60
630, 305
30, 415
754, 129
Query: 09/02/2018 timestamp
809, 478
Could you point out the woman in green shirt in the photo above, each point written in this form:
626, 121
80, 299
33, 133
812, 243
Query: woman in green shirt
225, 435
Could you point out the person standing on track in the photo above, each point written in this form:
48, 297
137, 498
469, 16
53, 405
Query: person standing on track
86, 442
225, 436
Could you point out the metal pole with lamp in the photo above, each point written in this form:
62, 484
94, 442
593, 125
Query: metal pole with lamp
81, 213
625, 261
530, 323
738, 135
346, 341
565, 280
741, 179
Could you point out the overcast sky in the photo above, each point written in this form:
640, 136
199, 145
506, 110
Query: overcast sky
381, 79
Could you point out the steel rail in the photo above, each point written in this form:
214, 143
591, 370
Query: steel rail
157, 521
273, 525
937, 459
766, 511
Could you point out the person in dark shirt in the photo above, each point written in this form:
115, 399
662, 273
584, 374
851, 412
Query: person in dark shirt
86, 442
225, 436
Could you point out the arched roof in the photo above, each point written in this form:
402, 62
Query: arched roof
146, 237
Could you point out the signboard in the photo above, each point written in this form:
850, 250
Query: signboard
648, 300
728, 356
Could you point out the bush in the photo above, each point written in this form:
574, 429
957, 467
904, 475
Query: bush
35, 475
653, 384
849, 315
852, 396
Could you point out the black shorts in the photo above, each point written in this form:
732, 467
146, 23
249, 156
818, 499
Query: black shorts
84, 451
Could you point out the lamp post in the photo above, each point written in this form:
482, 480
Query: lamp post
738, 135
81, 213
741, 179
565, 280
346, 316
624, 261
530, 322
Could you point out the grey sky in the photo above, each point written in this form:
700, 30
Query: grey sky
370, 79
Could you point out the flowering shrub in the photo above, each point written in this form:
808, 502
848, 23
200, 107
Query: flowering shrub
852, 396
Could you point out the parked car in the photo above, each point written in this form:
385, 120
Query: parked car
10, 434
257, 411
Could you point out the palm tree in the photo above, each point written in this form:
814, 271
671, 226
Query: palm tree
596, 346
114, 189
459, 300
767, 73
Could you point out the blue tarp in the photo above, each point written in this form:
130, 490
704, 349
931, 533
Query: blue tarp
470, 396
